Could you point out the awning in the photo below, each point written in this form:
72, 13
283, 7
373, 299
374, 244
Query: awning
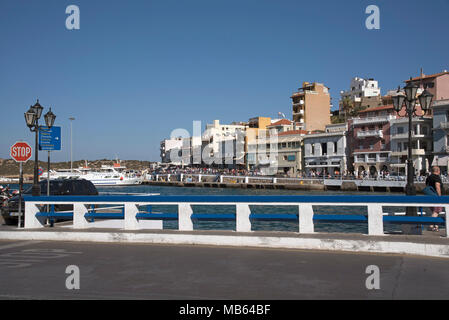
440, 161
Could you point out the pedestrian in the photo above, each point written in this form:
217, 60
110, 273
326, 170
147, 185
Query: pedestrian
434, 186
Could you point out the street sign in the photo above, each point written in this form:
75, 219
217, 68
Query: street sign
21, 151
50, 138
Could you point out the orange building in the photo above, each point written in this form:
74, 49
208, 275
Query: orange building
311, 106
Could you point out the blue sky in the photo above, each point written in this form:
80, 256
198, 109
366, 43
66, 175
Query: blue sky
138, 69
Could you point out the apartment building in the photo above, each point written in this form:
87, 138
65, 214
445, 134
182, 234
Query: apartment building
437, 84
421, 144
362, 93
327, 152
311, 106
441, 135
369, 140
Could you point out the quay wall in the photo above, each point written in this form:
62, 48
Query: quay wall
305, 186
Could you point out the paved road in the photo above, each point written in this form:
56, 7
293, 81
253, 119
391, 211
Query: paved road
31, 269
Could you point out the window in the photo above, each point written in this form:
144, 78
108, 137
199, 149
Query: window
324, 149
400, 130
312, 152
424, 130
335, 147
424, 145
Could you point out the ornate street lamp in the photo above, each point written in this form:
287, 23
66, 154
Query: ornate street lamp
32, 117
410, 99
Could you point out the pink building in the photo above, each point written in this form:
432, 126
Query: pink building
369, 140
437, 84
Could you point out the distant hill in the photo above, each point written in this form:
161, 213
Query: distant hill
10, 168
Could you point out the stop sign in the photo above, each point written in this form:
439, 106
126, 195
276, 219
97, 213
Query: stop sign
21, 151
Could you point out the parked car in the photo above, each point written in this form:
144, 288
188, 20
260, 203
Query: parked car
62, 187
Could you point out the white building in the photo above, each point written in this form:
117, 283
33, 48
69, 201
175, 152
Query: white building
326, 152
361, 88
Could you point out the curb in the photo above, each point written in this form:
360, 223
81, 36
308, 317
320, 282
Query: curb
277, 242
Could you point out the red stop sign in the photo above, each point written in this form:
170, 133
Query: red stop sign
21, 151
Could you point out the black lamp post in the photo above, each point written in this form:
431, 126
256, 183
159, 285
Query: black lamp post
32, 117
410, 99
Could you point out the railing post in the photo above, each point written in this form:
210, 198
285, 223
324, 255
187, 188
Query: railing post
168, 178
79, 219
131, 222
375, 220
199, 178
31, 221
242, 213
275, 180
246, 179
306, 218
185, 217
181, 177
221, 179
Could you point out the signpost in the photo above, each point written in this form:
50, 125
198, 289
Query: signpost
50, 140
21, 152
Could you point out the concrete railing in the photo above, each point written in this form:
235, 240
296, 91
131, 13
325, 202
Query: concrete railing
134, 218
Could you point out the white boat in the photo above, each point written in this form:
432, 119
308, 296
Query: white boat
115, 175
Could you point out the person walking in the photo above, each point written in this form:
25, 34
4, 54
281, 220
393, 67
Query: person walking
434, 182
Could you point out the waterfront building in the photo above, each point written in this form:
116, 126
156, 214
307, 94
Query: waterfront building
437, 84
282, 152
441, 135
362, 93
326, 152
290, 152
369, 140
166, 146
311, 106
283, 125
218, 140
421, 144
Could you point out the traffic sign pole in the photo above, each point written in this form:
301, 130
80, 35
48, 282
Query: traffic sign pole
20, 193
20, 152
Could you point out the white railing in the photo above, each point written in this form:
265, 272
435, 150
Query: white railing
134, 218
372, 119
371, 133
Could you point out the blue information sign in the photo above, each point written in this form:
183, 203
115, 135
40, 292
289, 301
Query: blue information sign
50, 138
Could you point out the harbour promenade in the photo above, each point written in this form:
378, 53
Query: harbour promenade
280, 183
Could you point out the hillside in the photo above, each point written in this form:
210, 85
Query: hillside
10, 168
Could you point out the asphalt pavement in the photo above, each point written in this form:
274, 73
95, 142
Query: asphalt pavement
39, 270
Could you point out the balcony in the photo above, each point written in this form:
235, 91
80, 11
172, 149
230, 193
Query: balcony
300, 113
405, 136
300, 103
370, 133
371, 120
415, 152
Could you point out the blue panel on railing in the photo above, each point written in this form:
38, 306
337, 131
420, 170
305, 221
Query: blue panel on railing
340, 218
339, 199
105, 215
157, 216
55, 214
419, 220
214, 217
